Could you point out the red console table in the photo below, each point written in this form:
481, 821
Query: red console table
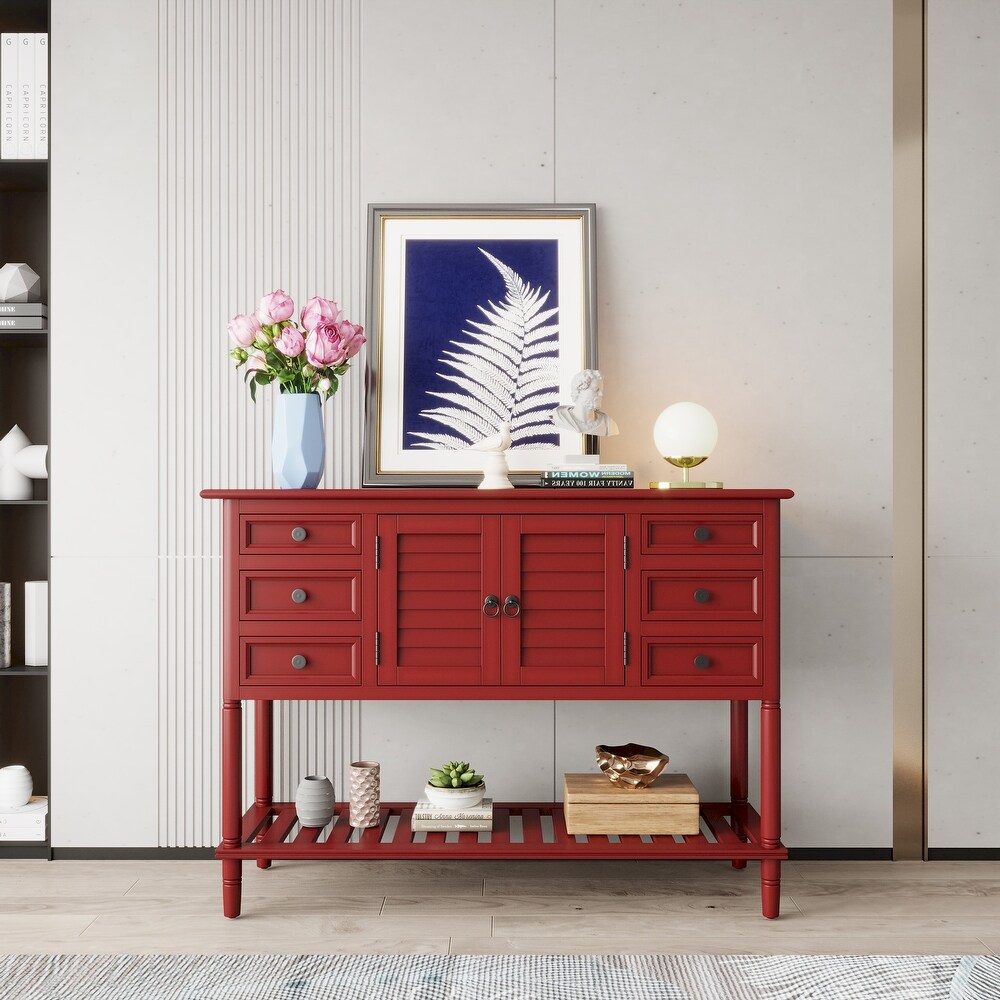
471, 594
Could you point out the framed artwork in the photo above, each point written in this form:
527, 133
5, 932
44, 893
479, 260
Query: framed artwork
478, 316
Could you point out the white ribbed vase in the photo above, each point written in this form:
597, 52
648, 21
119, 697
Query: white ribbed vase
314, 800
15, 786
365, 792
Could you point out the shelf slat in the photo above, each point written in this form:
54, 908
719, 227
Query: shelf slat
20, 670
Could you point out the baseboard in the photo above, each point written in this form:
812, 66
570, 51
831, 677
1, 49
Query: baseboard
963, 854
22, 851
840, 854
133, 853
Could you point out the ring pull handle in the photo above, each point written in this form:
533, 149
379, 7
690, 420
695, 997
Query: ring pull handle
702, 534
702, 662
298, 595
298, 661
702, 596
511, 606
299, 534
491, 606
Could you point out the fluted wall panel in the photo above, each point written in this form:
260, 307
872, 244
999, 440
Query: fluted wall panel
259, 188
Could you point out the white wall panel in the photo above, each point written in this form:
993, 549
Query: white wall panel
963, 411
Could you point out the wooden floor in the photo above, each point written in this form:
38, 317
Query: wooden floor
500, 907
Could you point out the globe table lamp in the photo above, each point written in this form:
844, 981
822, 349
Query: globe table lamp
685, 435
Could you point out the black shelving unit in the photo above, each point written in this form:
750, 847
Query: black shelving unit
24, 400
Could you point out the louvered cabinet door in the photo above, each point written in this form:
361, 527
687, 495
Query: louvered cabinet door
562, 600
435, 574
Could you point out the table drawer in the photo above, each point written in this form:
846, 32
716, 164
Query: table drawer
309, 534
670, 660
277, 595
335, 660
689, 595
689, 534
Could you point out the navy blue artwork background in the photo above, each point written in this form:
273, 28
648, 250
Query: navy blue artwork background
445, 281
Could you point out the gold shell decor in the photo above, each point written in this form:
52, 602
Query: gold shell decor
631, 765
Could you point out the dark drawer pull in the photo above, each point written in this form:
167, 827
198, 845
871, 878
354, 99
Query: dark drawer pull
702, 596
299, 534
702, 662
702, 534
511, 606
491, 606
298, 661
298, 595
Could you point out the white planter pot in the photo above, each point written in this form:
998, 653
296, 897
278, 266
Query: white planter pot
455, 798
15, 786
314, 800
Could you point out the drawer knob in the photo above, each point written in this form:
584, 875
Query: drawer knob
702, 534
702, 596
299, 534
298, 595
511, 606
491, 606
298, 661
702, 662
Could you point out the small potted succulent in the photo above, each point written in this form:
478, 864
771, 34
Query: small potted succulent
456, 785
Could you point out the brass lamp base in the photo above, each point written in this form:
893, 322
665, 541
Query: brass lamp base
676, 485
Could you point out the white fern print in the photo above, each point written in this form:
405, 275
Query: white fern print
507, 373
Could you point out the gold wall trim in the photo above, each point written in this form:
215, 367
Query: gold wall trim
909, 826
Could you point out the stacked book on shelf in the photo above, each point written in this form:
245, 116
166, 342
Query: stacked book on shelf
429, 817
24, 95
26, 822
24, 316
588, 476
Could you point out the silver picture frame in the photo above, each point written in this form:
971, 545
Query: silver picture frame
447, 285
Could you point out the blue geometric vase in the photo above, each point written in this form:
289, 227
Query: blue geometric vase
297, 448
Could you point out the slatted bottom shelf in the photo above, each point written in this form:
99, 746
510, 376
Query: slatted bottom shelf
520, 830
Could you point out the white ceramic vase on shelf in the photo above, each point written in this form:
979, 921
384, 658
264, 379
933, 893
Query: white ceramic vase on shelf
15, 786
314, 800
365, 793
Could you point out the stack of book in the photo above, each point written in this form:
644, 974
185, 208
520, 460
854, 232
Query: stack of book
25, 822
24, 316
24, 95
590, 476
429, 817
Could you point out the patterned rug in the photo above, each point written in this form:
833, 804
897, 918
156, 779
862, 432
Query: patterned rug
499, 977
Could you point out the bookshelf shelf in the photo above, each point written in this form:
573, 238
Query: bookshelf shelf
24, 671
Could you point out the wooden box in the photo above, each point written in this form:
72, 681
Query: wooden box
592, 804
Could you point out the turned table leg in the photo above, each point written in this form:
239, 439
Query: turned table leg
738, 768
770, 804
263, 768
232, 804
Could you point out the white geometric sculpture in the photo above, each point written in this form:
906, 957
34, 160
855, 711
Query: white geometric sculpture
19, 283
20, 462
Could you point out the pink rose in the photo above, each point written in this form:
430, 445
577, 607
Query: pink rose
274, 307
316, 310
290, 342
351, 337
256, 362
243, 329
323, 346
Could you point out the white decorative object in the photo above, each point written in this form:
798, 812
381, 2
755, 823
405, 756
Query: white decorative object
4, 625
455, 798
19, 283
314, 800
585, 415
36, 623
495, 467
15, 786
33, 461
20, 462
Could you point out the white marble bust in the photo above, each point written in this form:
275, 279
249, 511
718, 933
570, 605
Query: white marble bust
585, 415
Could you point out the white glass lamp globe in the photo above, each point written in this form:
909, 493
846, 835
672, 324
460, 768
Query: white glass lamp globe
685, 435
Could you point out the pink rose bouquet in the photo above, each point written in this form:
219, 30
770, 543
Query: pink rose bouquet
310, 356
